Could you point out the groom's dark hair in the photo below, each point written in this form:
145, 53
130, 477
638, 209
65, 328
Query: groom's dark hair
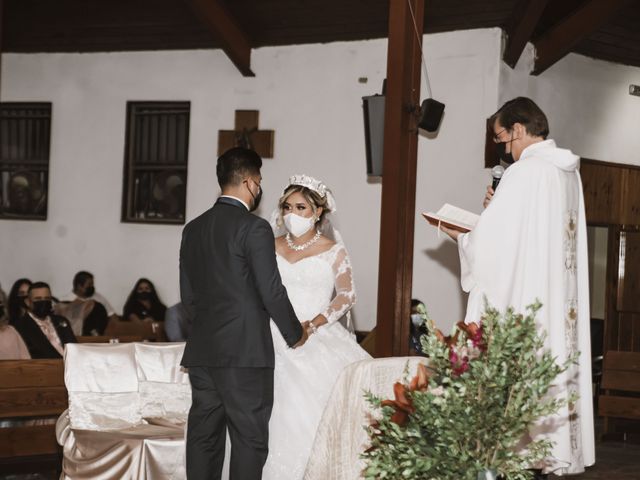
235, 164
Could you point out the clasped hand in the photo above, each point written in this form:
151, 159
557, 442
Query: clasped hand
310, 327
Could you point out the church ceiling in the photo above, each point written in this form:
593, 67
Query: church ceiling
125, 25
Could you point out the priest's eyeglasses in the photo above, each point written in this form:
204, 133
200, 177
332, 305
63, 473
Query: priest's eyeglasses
496, 137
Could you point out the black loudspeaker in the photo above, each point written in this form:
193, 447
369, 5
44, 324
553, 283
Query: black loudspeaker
430, 115
373, 109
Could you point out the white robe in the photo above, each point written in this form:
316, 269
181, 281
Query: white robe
531, 243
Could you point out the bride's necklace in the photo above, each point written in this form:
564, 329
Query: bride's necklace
305, 245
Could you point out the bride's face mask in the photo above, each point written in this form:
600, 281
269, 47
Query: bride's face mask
298, 215
297, 225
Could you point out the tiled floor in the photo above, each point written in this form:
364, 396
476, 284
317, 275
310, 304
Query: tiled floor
614, 461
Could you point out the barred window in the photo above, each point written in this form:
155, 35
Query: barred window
25, 130
155, 163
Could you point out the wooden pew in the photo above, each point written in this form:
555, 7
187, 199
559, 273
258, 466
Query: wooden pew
109, 339
31, 388
621, 387
145, 330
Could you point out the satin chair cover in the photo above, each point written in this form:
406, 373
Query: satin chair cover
164, 388
341, 437
104, 433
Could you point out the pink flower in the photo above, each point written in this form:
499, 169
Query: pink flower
459, 361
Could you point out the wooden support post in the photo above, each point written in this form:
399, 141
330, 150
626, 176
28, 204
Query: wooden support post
399, 177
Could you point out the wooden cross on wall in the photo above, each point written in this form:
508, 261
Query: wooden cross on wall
247, 134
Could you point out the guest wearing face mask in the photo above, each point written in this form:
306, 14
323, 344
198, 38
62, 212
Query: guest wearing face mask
84, 289
44, 333
417, 328
17, 296
143, 303
88, 311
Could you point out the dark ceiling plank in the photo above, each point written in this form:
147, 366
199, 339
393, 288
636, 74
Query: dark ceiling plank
558, 42
235, 42
1, 10
521, 25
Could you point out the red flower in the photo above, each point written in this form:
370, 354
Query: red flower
474, 332
402, 404
448, 340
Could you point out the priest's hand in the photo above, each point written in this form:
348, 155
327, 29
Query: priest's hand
454, 234
488, 196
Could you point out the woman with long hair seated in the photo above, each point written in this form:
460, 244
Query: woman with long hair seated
144, 308
12, 347
17, 296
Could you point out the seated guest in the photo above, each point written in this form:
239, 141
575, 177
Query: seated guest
87, 310
44, 333
143, 303
17, 297
417, 327
12, 346
177, 323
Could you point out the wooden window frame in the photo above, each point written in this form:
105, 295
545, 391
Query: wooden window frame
133, 165
37, 166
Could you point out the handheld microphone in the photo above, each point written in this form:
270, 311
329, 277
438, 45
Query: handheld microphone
496, 173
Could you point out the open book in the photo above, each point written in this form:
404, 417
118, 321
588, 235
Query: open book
453, 217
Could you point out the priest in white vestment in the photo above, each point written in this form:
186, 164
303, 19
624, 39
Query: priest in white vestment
531, 243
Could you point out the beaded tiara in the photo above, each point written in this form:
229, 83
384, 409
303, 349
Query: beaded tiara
315, 185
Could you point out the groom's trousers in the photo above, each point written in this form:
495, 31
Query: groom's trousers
237, 399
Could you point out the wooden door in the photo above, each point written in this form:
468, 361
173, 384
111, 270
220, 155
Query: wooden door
622, 325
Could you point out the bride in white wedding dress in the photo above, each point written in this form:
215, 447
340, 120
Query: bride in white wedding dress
316, 270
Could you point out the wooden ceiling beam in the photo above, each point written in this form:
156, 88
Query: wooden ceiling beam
560, 39
520, 27
234, 41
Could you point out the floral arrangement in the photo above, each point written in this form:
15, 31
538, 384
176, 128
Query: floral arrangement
465, 412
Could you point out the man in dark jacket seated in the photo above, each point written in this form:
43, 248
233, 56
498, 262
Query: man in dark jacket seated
44, 333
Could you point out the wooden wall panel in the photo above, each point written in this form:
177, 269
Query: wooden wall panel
630, 211
603, 191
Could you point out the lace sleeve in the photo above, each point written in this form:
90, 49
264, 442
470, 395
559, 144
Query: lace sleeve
345, 292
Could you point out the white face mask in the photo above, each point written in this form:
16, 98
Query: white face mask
416, 319
298, 225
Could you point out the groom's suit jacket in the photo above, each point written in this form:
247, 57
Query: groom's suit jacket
230, 282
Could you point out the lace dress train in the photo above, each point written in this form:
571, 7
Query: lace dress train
304, 377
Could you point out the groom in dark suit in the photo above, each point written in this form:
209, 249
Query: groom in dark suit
229, 280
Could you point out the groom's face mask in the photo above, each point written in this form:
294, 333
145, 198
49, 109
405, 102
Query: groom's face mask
256, 197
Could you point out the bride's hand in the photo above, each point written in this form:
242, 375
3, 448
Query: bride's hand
316, 323
307, 326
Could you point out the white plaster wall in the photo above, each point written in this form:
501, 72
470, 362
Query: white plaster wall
451, 165
310, 95
587, 103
